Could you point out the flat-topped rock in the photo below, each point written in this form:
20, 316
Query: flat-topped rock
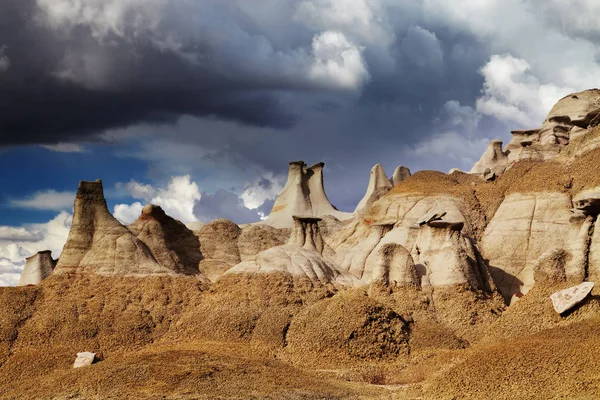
37, 268
566, 299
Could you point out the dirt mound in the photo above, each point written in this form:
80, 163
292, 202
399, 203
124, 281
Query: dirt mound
560, 363
348, 327
197, 370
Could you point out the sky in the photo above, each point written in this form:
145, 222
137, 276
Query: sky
199, 105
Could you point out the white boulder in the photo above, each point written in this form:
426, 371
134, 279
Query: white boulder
566, 299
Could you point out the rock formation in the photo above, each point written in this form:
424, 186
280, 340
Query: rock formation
429, 263
379, 183
304, 195
444, 257
524, 227
98, 243
493, 159
218, 244
400, 174
171, 243
302, 256
257, 238
37, 268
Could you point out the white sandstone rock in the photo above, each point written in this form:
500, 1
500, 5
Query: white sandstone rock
493, 159
37, 268
566, 299
400, 174
524, 227
98, 243
303, 194
84, 359
377, 180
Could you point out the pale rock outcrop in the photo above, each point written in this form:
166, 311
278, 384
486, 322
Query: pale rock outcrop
98, 243
400, 174
353, 244
379, 184
303, 194
360, 246
37, 268
566, 299
195, 225
524, 227
391, 265
578, 247
570, 118
172, 244
84, 359
444, 257
593, 270
301, 257
493, 159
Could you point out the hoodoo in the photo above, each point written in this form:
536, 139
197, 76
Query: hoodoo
400, 174
302, 257
379, 183
37, 268
304, 195
493, 159
98, 243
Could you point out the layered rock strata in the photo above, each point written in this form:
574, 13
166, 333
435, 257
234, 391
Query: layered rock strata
98, 243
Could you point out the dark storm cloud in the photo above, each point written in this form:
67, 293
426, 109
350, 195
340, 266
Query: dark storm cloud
69, 81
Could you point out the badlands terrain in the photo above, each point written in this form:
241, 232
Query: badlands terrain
437, 286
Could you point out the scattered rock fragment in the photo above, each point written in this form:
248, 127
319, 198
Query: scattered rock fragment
84, 359
566, 299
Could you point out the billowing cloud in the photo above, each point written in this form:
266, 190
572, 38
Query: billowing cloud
127, 213
338, 63
46, 200
266, 188
513, 94
181, 198
17, 243
177, 199
423, 48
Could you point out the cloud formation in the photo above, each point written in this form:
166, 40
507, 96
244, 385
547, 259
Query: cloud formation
46, 200
182, 199
17, 243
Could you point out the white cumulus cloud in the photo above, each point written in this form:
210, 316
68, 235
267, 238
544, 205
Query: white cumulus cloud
17, 243
512, 93
46, 200
177, 199
338, 63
